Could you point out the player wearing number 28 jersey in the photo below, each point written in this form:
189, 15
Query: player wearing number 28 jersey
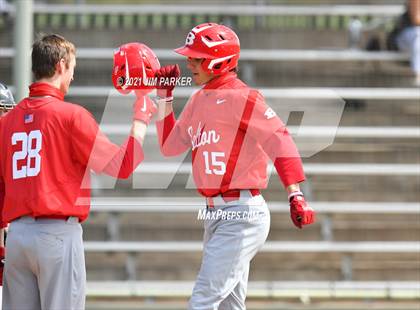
232, 133
48, 147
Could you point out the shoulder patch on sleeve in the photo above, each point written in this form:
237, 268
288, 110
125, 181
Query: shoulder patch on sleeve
269, 113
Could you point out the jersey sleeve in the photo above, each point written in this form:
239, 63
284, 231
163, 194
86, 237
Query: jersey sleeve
2, 194
172, 133
270, 132
282, 150
90, 146
2, 187
263, 121
129, 156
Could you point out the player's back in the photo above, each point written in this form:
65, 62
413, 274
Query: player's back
39, 164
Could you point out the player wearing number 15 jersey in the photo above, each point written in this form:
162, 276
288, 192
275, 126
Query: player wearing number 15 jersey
47, 146
232, 133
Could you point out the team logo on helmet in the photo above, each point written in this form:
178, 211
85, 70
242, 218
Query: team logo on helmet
190, 38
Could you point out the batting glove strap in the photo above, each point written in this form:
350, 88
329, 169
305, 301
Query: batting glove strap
293, 194
164, 99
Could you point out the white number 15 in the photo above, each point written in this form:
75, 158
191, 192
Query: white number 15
213, 165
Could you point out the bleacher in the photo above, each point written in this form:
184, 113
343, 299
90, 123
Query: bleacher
143, 240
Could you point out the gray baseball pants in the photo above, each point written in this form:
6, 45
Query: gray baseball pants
45, 265
232, 237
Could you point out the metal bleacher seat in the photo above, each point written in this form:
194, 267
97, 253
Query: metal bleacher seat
251, 59
310, 131
264, 289
254, 55
296, 92
243, 15
310, 169
269, 246
347, 251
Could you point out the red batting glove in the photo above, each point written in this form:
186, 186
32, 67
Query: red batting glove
300, 212
2, 255
143, 108
166, 80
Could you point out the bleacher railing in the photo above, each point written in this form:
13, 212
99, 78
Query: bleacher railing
242, 17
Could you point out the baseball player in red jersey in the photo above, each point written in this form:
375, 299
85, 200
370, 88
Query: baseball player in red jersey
232, 133
47, 146
7, 103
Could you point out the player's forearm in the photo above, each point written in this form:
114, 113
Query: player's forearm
414, 10
293, 188
164, 92
290, 172
138, 131
2, 237
170, 138
283, 152
165, 108
129, 156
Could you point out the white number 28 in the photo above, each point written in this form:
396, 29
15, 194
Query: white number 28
29, 151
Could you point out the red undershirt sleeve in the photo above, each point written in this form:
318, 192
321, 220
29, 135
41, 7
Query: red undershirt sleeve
171, 136
129, 156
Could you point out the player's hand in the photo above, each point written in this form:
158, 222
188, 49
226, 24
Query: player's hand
2, 255
166, 80
143, 108
300, 212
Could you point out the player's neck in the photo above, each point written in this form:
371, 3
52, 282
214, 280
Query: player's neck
53, 81
44, 88
218, 80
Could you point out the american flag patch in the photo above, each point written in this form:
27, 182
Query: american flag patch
28, 118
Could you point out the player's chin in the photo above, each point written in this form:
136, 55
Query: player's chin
197, 80
66, 87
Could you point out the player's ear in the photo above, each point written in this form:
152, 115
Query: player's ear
60, 66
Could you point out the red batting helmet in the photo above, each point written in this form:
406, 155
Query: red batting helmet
217, 44
134, 64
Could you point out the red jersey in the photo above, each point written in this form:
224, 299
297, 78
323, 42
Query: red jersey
232, 133
46, 149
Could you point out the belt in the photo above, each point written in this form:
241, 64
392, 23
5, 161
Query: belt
45, 217
231, 195
53, 217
